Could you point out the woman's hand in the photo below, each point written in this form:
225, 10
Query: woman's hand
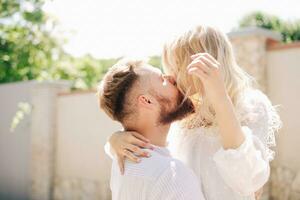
207, 68
129, 144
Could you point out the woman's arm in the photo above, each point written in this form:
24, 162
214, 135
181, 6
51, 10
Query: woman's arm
208, 70
230, 129
243, 162
127, 144
244, 169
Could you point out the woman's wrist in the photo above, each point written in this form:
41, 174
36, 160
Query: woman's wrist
222, 103
230, 128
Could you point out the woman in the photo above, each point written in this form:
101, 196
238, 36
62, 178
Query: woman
227, 141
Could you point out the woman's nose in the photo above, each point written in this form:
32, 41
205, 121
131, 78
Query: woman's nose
171, 79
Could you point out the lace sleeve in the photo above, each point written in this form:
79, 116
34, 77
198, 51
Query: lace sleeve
262, 118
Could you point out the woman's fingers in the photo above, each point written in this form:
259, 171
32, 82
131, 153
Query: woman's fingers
140, 143
128, 154
138, 151
208, 62
206, 55
198, 72
121, 161
211, 58
198, 63
139, 136
195, 55
204, 62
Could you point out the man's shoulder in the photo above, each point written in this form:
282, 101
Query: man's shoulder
151, 167
162, 176
155, 166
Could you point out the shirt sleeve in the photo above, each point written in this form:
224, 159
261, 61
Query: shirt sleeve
177, 183
246, 169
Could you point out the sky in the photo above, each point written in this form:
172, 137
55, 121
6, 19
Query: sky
115, 28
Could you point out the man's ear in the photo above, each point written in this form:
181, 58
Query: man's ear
144, 100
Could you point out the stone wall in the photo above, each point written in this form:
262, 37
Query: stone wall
57, 151
78, 188
250, 48
14, 146
43, 138
284, 89
82, 169
285, 183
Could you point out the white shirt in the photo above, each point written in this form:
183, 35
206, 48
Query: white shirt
159, 177
233, 174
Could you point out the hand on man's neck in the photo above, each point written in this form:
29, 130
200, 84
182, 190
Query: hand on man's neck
157, 134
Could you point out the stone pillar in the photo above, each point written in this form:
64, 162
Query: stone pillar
250, 47
42, 136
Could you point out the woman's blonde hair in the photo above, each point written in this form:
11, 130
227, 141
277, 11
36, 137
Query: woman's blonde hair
202, 39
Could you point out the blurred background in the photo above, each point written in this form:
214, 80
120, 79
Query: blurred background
54, 53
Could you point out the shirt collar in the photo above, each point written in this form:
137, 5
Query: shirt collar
162, 150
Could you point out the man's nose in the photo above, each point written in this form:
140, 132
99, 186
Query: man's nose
171, 79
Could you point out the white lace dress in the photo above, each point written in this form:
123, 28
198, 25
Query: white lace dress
232, 174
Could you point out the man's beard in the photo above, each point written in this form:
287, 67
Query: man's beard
183, 108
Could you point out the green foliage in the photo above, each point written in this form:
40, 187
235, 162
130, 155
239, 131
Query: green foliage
8, 7
290, 30
155, 61
30, 51
84, 72
27, 46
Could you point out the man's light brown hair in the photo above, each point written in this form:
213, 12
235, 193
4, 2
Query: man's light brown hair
115, 88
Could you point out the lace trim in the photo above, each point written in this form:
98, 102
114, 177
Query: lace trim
253, 110
262, 106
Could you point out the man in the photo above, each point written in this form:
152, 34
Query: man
144, 100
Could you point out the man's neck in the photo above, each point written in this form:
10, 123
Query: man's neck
156, 134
